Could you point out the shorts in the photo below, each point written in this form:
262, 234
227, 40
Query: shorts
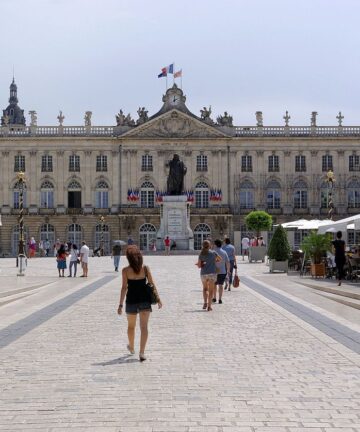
209, 277
220, 279
134, 308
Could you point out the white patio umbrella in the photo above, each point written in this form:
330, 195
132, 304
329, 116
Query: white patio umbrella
120, 242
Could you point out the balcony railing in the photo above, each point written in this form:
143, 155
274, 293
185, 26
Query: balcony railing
236, 131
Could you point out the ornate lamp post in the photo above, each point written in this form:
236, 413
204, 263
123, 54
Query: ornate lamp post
102, 227
330, 180
21, 249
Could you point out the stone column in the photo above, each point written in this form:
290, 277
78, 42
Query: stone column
5, 191
116, 175
60, 179
33, 181
86, 169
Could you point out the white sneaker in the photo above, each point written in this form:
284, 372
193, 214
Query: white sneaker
142, 357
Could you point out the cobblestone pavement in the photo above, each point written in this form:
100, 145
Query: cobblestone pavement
251, 365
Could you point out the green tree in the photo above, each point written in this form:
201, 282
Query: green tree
279, 248
258, 220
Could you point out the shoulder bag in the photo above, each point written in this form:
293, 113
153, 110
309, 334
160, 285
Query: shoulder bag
151, 290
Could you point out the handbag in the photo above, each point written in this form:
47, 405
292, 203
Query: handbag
78, 260
236, 281
151, 290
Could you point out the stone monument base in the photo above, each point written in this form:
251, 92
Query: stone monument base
175, 223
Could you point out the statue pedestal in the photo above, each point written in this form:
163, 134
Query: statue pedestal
175, 223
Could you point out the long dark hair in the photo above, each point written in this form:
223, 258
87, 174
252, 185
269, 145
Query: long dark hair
134, 257
205, 247
61, 249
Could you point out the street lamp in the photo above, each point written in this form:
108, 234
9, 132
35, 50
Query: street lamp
21, 250
102, 227
330, 180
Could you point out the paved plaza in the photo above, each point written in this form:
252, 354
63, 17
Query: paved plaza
276, 356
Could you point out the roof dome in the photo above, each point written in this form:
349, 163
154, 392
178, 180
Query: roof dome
13, 114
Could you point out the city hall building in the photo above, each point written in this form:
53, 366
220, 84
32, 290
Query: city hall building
76, 174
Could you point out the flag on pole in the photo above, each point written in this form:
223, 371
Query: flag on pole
178, 74
170, 68
163, 73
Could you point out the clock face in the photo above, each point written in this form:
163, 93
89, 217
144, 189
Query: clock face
174, 100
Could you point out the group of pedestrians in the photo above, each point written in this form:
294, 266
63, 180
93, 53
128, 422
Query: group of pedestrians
76, 257
217, 262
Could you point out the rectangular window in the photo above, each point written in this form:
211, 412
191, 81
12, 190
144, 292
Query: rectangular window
146, 163
354, 163
300, 163
246, 163
201, 163
74, 163
102, 199
274, 163
300, 199
101, 163
19, 163
327, 163
46, 163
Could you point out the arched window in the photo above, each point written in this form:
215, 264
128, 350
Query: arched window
74, 194
201, 195
102, 195
47, 195
147, 233
75, 234
247, 195
273, 195
300, 195
16, 196
15, 237
353, 193
102, 238
47, 232
147, 195
201, 232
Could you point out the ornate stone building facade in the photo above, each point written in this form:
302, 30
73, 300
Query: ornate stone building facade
77, 173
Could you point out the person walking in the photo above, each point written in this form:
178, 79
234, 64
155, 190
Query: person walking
32, 247
74, 259
207, 263
116, 253
230, 250
222, 269
245, 243
47, 247
340, 258
167, 245
84, 259
61, 260
134, 287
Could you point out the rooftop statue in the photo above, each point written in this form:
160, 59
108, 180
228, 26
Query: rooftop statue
33, 118
286, 117
175, 181
143, 116
129, 121
259, 118
120, 118
87, 118
5, 120
61, 118
313, 118
205, 115
340, 118
225, 120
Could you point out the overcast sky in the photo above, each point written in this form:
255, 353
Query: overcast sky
237, 55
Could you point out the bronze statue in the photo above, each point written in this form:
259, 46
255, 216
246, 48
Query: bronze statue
175, 181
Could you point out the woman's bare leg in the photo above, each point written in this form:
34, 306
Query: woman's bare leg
131, 330
210, 293
144, 319
205, 291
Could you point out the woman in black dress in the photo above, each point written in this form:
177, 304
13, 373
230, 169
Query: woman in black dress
134, 278
340, 259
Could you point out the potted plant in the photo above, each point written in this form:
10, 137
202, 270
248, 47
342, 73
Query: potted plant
315, 247
279, 251
258, 221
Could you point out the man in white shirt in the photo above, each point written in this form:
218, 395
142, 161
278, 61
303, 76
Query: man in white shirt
245, 242
84, 259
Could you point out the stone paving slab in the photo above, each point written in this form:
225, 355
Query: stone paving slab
244, 367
